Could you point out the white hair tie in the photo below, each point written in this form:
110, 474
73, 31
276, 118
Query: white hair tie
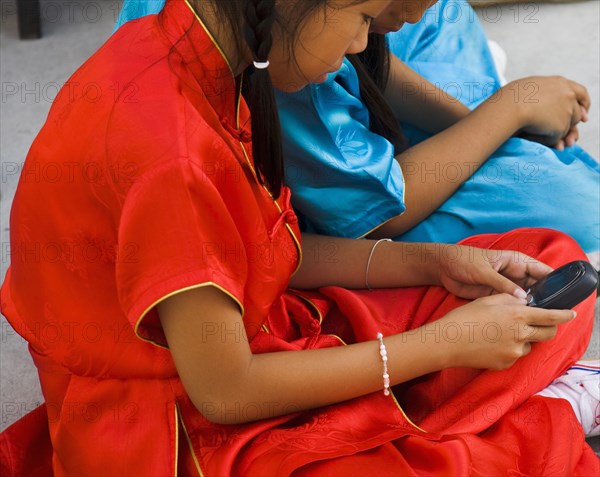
261, 65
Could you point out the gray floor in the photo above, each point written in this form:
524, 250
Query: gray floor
539, 39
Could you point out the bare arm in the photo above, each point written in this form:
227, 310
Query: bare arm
419, 102
342, 262
434, 169
229, 384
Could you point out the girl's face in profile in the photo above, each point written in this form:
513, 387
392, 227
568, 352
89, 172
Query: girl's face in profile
398, 13
322, 41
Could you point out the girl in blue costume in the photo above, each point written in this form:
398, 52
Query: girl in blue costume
346, 181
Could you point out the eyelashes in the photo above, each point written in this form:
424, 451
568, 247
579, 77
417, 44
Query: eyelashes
368, 19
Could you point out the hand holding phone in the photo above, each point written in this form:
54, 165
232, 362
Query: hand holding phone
565, 287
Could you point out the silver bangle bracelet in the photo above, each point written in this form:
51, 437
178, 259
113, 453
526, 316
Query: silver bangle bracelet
369, 261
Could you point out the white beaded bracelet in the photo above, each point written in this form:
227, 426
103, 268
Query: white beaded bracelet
369, 261
383, 354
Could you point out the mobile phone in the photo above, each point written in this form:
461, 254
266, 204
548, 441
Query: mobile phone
565, 287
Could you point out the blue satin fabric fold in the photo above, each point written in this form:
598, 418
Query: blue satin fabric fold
345, 180
133, 9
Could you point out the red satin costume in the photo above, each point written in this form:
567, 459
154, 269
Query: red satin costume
154, 192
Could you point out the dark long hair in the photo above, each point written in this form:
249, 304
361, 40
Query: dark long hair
256, 19
267, 147
373, 69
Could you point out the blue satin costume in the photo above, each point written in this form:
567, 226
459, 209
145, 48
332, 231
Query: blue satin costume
346, 182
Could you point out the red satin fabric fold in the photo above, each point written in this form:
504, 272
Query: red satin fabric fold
476, 422
178, 207
473, 422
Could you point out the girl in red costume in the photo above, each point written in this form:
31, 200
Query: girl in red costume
186, 340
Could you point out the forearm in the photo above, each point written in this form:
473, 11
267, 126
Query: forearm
434, 169
284, 382
343, 262
229, 384
419, 102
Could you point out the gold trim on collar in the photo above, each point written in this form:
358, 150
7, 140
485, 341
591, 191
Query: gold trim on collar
287, 226
212, 38
169, 295
296, 241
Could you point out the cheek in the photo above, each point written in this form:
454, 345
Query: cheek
285, 75
320, 49
320, 55
412, 12
286, 81
283, 69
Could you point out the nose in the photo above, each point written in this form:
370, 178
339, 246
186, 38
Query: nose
360, 41
415, 11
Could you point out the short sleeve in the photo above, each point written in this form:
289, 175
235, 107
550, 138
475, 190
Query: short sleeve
345, 180
175, 234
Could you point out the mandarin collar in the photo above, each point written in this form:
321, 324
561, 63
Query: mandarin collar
199, 52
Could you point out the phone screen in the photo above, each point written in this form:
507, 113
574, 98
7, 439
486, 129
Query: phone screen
565, 287
555, 282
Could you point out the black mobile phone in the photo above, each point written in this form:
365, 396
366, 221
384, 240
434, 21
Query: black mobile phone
565, 287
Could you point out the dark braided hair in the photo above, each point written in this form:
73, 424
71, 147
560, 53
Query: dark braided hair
259, 18
256, 19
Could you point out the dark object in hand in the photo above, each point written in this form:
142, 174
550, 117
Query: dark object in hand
565, 287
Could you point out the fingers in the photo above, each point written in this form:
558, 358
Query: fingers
577, 115
581, 103
572, 137
523, 269
526, 349
542, 325
525, 333
550, 141
501, 284
539, 334
542, 317
581, 92
502, 299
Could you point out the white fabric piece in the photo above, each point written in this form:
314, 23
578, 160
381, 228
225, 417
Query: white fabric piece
594, 259
580, 385
500, 60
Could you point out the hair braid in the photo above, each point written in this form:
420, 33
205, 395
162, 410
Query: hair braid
260, 16
267, 148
